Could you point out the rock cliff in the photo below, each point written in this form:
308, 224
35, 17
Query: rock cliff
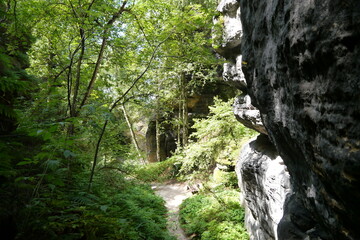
263, 178
264, 183
301, 61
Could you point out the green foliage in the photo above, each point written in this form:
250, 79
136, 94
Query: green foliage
14, 81
130, 212
59, 208
48, 151
214, 216
216, 139
228, 179
158, 171
218, 33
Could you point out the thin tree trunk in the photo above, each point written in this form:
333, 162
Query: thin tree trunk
101, 53
186, 124
184, 111
95, 72
133, 136
69, 83
157, 124
97, 149
158, 134
73, 110
74, 91
179, 115
115, 104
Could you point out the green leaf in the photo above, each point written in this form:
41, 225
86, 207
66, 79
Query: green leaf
51, 186
104, 208
23, 163
27, 161
69, 154
52, 164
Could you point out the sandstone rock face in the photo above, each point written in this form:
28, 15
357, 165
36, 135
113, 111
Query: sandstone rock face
263, 178
247, 114
233, 74
244, 111
167, 142
232, 31
264, 182
303, 74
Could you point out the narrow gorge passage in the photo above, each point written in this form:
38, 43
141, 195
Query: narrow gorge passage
173, 194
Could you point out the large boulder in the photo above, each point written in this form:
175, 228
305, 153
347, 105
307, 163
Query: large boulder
302, 66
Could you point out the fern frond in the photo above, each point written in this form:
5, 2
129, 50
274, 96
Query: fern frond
7, 111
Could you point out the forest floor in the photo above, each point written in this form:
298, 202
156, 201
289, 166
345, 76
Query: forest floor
173, 194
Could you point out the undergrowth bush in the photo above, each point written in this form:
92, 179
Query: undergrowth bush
53, 204
216, 140
158, 171
214, 216
227, 179
132, 212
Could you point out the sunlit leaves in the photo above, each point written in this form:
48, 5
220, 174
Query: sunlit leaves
218, 138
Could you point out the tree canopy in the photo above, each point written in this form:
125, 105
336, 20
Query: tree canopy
75, 78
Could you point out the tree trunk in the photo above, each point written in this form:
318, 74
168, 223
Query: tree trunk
97, 150
179, 124
133, 136
158, 133
73, 110
184, 111
114, 105
101, 54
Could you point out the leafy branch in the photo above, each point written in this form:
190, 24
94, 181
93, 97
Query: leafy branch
114, 105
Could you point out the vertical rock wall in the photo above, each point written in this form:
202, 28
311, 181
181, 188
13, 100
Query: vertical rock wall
264, 183
263, 178
301, 60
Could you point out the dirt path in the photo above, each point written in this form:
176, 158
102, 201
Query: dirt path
173, 194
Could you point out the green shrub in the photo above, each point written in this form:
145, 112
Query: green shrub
227, 179
158, 171
216, 139
122, 209
214, 216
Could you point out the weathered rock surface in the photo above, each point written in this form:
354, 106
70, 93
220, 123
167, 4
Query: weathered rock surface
232, 28
263, 178
244, 111
264, 183
303, 74
233, 74
260, 170
247, 114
